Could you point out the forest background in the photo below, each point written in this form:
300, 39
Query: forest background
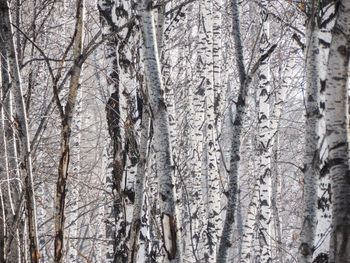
174, 131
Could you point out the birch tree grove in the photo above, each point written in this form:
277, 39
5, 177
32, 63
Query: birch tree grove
187, 131
22, 129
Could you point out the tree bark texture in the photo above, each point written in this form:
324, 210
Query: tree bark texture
337, 134
265, 142
309, 220
165, 166
123, 116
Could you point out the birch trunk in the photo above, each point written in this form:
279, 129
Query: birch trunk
276, 195
264, 146
232, 186
213, 89
4, 189
75, 173
136, 224
324, 211
123, 116
21, 119
337, 134
165, 167
309, 220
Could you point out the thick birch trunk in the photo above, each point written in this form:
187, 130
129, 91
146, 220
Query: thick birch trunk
249, 226
324, 211
337, 134
21, 118
75, 172
123, 117
165, 167
309, 220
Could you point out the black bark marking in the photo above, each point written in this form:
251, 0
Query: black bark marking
323, 85
321, 258
305, 249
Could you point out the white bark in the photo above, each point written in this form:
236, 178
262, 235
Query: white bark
264, 146
213, 89
122, 114
324, 212
309, 220
72, 215
165, 168
337, 134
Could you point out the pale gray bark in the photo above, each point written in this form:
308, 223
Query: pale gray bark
134, 243
309, 220
162, 147
265, 141
337, 122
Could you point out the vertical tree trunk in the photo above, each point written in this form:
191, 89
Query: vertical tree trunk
165, 167
123, 117
225, 241
309, 220
324, 211
139, 188
66, 120
279, 94
337, 134
265, 142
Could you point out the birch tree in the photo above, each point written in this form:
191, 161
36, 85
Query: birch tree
307, 235
123, 117
165, 169
265, 142
336, 114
